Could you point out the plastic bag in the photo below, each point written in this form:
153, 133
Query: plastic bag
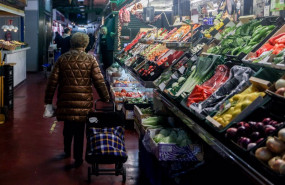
49, 111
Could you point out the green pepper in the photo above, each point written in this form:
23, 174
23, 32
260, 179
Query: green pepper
277, 60
235, 51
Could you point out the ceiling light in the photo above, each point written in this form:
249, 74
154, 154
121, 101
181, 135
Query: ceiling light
80, 0
15, 29
5, 27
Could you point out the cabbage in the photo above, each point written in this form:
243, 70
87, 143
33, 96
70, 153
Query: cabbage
164, 132
158, 138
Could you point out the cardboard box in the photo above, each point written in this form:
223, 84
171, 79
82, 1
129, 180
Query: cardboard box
139, 115
261, 85
271, 91
129, 114
172, 152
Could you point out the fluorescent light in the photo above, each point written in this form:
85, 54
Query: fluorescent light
80, 0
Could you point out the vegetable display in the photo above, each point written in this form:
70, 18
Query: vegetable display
238, 80
202, 72
280, 87
174, 136
248, 134
273, 153
245, 38
200, 93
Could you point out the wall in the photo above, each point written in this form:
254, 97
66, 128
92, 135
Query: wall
16, 22
31, 34
45, 33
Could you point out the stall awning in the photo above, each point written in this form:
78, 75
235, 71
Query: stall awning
10, 11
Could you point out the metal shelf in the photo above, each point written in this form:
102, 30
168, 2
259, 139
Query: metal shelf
219, 147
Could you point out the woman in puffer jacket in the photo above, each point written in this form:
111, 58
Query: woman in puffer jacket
73, 75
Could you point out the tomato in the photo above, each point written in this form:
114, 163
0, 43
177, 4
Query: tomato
123, 91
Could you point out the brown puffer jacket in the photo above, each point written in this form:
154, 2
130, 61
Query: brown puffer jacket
73, 74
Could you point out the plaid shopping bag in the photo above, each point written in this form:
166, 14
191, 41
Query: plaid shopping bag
108, 141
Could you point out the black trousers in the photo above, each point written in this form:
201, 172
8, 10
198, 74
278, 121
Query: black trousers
74, 130
107, 58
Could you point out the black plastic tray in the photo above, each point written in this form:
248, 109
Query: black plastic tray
258, 115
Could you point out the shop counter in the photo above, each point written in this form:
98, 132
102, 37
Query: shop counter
18, 59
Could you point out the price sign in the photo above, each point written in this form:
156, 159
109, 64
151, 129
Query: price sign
181, 69
266, 11
162, 86
174, 75
281, 2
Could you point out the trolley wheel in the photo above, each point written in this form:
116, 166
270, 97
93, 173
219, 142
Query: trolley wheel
89, 174
124, 174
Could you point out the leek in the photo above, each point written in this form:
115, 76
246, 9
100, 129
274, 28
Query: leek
203, 70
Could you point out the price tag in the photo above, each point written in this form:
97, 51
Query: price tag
281, 2
194, 58
174, 75
181, 69
162, 86
266, 11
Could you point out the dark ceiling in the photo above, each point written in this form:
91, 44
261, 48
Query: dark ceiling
77, 10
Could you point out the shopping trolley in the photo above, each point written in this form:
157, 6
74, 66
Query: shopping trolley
105, 142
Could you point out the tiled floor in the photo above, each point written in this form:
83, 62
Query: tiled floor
28, 152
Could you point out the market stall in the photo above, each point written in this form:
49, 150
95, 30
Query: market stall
224, 82
10, 44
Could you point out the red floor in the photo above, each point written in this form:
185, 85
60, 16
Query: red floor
28, 152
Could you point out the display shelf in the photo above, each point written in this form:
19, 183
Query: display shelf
212, 141
146, 84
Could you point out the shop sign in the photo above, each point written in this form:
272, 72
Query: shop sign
18, 4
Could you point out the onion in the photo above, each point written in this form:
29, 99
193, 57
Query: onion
231, 133
269, 129
259, 126
251, 145
255, 136
241, 131
281, 91
261, 139
281, 134
275, 145
282, 168
275, 163
244, 141
266, 121
280, 83
263, 154
240, 123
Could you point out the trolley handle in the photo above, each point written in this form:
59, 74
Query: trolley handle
100, 100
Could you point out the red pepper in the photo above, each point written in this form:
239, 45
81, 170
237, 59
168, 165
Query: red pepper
273, 39
281, 40
265, 47
277, 48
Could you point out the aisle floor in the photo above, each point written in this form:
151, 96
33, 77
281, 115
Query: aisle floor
29, 153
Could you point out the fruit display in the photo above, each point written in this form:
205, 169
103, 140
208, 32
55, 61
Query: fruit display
271, 154
244, 39
218, 24
248, 134
237, 104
